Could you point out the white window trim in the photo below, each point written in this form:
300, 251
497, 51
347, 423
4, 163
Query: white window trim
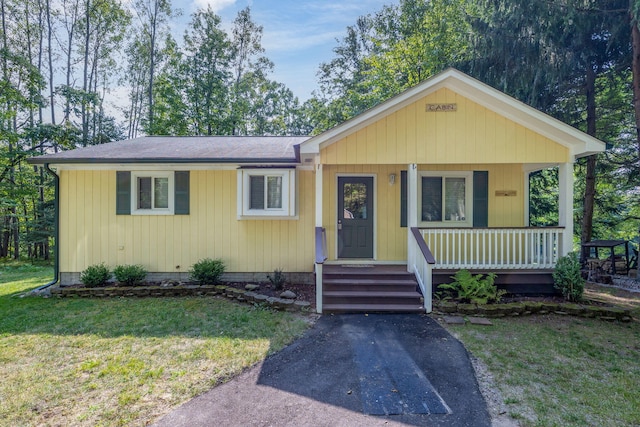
288, 210
468, 177
134, 192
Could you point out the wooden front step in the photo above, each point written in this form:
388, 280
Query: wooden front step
370, 289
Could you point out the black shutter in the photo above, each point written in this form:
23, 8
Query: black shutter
480, 199
181, 193
403, 198
123, 193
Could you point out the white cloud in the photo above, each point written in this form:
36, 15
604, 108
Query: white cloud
216, 5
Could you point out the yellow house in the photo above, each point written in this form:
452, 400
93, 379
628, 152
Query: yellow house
433, 180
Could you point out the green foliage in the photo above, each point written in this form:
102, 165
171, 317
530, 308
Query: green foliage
95, 275
473, 289
207, 271
567, 277
278, 279
130, 275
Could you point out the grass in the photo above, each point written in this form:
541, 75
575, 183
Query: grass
562, 371
116, 362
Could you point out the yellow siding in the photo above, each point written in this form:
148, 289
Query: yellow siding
92, 233
472, 134
391, 239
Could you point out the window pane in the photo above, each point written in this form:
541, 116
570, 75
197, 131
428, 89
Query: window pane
256, 192
355, 201
161, 193
454, 199
274, 192
144, 193
431, 198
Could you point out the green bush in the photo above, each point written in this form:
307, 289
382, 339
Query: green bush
130, 275
278, 279
567, 277
95, 275
207, 271
472, 289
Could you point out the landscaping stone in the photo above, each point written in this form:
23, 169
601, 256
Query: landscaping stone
491, 310
467, 308
447, 306
454, 320
480, 321
251, 287
288, 295
302, 305
574, 309
514, 309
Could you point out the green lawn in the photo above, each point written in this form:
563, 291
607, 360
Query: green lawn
562, 371
120, 361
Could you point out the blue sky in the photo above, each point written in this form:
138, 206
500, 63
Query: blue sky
298, 34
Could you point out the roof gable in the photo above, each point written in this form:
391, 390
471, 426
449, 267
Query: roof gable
577, 142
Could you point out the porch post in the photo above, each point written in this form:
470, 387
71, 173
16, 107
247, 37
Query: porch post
527, 198
412, 212
565, 206
318, 224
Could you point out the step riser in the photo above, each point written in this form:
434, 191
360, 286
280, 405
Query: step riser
330, 276
373, 300
370, 288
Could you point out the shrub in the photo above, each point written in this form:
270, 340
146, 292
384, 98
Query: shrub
130, 275
95, 275
278, 279
567, 277
207, 271
473, 289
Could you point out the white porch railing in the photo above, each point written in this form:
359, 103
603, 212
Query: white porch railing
499, 248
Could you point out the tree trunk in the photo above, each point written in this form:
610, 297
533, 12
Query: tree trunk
590, 184
635, 68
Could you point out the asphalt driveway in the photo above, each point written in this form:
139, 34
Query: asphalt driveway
351, 370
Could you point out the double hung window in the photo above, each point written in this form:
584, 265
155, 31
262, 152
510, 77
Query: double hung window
446, 198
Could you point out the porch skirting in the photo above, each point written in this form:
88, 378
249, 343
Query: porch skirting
518, 282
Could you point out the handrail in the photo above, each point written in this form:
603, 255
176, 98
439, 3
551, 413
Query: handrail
421, 264
321, 245
426, 252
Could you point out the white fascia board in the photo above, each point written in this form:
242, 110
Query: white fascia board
163, 166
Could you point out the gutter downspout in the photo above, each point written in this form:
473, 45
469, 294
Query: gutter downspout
56, 230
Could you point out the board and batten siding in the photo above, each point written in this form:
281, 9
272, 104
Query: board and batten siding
472, 134
391, 238
92, 232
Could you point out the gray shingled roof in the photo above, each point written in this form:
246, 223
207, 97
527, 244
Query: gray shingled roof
185, 149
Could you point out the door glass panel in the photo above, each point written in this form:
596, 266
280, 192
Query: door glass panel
454, 199
355, 200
